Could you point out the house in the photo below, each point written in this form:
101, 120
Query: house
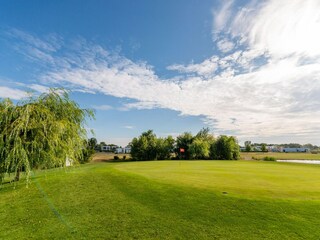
242, 149
292, 150
126, 149
119, 150
109, 148
257, 148
274, 148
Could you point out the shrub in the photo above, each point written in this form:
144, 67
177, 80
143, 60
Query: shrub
225, 148
272, 159
116, 158
124, 157
148, 147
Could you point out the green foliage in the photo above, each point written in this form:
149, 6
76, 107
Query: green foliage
199, 149
269, 159
202, 146
264, 147
165, 147
149, 147
196, 147
143, 147
205, 135
225, 148
248, 148
183, 141
41, 132
92, 143
88, 150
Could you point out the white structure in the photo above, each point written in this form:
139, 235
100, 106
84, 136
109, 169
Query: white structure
69, 162
108, 148
274, 149
291, 150
119, 150
127, 149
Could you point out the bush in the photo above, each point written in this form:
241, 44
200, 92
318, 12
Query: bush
116, 158
87, 155
124, 157
272, 159
225, 148
148, 147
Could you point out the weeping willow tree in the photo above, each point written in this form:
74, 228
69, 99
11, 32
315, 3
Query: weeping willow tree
41, 132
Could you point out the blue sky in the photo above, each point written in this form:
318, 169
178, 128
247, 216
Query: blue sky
245, 68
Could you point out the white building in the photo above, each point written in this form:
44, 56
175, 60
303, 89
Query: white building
274, 149
291, 150
127, 149
108, 148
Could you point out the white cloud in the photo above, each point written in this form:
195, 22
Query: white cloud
225, 45
282, 28
12, 93
222, 16
103, 107
128, 127
207, 67
267, 85
31, 40
38, 88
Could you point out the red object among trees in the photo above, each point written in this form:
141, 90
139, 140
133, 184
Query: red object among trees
182, 150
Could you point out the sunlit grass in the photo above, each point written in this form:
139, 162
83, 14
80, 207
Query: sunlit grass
165, 200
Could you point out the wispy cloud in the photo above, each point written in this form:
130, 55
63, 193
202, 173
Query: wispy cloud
12, 93
102, 107
128, 127
207, 67
222, 16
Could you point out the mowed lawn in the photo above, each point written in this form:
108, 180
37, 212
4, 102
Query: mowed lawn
166, 200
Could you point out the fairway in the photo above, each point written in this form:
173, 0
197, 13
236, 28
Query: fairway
237, 178
165, 200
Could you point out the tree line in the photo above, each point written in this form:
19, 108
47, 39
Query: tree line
186, 146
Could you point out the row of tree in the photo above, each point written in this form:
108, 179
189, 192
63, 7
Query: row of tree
186, 146
42, 132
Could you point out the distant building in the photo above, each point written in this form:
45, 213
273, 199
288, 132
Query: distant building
119, 150
126, 149
257, 148
291, 150
274, 148
109, 148
242, 149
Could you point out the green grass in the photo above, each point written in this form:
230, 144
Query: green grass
279, 156
166, 200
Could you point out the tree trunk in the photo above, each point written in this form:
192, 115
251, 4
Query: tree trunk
17, 177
